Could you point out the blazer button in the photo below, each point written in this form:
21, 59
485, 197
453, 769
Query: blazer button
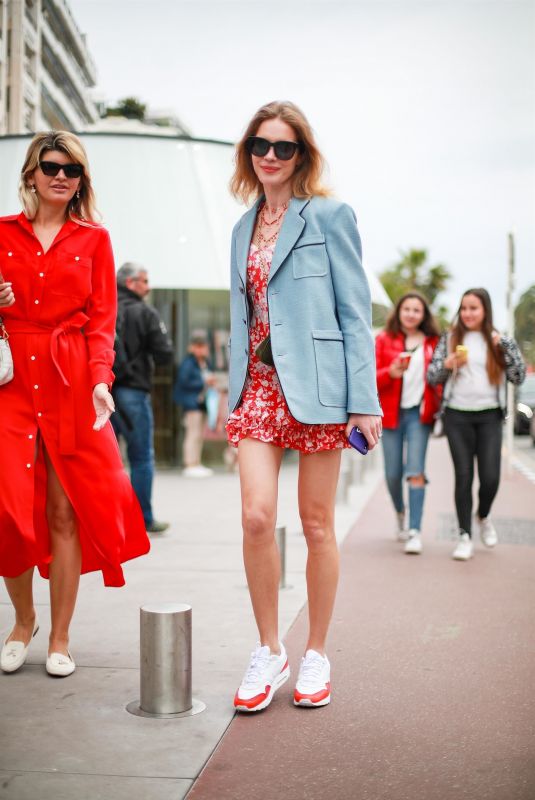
245, 322
246, 352
242, 290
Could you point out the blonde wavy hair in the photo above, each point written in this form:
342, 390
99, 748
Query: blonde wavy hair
306, 180
80, 209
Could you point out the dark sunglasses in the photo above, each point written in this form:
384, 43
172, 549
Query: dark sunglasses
51, 169
284, 151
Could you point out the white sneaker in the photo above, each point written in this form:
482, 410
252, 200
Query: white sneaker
414, 544
402, 533
487, 532
197, 472
464, 549
264, 675
313, 687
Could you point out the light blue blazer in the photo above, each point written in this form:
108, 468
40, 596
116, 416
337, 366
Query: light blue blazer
319, 313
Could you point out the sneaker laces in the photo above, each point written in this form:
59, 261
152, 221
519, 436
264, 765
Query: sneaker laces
257, 666
311, 669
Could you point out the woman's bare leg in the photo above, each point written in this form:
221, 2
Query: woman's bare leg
20, 590
66, 561
259, 471
318, 477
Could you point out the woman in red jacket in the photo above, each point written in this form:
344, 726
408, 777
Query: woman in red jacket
66, 504
403, 353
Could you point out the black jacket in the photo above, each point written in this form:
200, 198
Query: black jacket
145, 340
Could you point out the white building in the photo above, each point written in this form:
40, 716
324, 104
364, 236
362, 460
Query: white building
46, 71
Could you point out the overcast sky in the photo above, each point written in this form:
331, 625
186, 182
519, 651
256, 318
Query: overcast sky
424, 110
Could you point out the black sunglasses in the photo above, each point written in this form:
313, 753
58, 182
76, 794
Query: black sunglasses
51, 169
284, 151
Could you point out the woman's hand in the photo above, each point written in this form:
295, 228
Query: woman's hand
398, 367
455, 360
104, 405
7, 298
496, 337
370, 425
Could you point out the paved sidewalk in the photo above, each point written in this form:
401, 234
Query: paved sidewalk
72, 738
433, 671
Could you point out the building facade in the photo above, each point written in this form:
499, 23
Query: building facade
46, 70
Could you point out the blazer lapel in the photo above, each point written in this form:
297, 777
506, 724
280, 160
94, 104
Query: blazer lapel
291, 229
243, 240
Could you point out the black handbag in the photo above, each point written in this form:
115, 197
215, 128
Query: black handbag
264, 352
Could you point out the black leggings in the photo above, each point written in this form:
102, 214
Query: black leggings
479, 434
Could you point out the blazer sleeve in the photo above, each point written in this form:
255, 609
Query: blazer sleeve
102, 311
354, 310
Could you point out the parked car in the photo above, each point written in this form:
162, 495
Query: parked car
525, 406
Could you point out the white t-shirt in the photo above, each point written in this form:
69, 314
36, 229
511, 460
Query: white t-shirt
471, 389
413, 380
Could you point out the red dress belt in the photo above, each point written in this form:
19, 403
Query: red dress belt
60, 354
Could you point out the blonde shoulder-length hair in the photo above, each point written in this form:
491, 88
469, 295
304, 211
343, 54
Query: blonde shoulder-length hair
306, 180
80, 209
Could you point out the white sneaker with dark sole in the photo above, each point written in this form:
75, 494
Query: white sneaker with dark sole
265, 674
313, 687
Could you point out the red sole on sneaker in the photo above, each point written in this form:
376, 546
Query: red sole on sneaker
281, 678
305, 702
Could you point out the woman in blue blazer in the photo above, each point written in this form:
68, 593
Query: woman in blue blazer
302, 374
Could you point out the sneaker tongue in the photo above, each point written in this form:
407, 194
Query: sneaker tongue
313, 655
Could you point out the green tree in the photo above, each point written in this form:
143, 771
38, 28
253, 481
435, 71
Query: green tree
412, 272
129, 107
525, 324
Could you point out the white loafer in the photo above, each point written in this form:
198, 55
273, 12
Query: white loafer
14, 653
60, 665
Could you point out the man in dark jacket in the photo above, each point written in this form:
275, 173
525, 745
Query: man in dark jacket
141, 341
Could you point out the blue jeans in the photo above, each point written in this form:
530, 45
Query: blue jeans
412, 433
133, 419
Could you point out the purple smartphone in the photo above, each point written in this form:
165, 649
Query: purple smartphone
358, 441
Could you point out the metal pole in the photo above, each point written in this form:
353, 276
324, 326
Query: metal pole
509, 425
280, 535
165, 660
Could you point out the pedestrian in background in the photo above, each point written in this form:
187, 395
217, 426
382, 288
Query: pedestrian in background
141, 341
193, 380
66, 504
302, 374
403, 353
474, 361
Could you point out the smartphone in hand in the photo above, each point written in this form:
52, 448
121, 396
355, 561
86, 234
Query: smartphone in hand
357, 440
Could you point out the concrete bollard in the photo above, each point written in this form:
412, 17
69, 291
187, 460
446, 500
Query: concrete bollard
165, 660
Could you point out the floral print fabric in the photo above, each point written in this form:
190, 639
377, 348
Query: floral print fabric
263, 413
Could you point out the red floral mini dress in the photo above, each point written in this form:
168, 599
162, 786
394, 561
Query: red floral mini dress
263, 413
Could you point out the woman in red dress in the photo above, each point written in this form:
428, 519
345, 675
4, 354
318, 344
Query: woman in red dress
66, 504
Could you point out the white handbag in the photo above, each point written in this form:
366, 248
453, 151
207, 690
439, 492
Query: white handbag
6, 359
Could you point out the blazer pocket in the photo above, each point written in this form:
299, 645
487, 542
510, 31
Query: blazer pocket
309, 257
330, 368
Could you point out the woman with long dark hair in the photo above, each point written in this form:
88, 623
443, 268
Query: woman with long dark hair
474, 361
403, 353
302, 374
66, 504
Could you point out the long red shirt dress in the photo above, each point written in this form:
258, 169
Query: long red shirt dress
61, 332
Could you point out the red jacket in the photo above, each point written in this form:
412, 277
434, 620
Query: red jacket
387, 348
